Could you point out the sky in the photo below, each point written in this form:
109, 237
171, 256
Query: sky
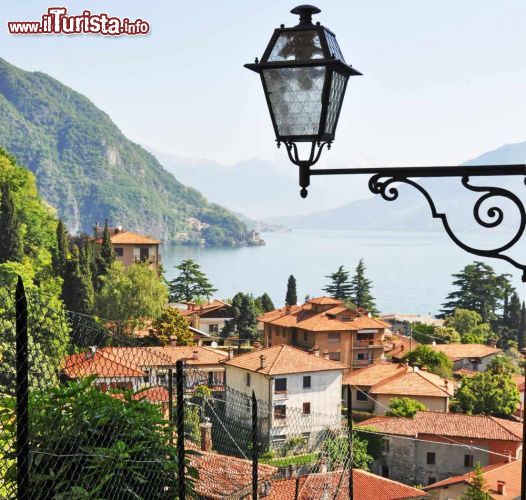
444, 81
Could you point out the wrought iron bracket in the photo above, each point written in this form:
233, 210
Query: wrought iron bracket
383, 180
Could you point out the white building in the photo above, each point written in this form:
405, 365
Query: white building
299, 393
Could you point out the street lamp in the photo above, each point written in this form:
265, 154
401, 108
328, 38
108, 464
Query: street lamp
304, 77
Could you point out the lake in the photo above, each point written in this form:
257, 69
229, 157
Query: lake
411, 272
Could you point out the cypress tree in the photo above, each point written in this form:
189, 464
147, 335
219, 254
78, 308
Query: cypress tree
522, 328
77, 289
291, 298
477, 486
11, 248
266, 303
340, 286
361, 289
105, 257
60, 252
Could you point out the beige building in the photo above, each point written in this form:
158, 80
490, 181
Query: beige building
352, 337
131, 248
373, 388
474, 357
209, 317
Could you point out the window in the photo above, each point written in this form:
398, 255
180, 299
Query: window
335, 356
306, 382
361, 395
431, 480
305, 336
144, 254
334, 338
387, 445
385, 471
361, 356
213, 328
248, 379
280, 412
280, 438
468, 460
280, 385
146, 377
306, 435
306, 408
431, 458
211, 379
119, 251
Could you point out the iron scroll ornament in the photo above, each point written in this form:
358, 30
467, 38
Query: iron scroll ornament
382, 184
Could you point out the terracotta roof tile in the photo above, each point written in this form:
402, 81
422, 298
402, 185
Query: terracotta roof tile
367, 486
415, 383
203, 308
325, 301
460, 351
510, 473
282, 360
399, 345
373, 374
155, 394
100, 364
130, 238
205, 355
447, 424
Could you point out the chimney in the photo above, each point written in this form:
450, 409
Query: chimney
508, 455
195, 354
206, 435
402, 347
262, 361
323, 466
230, 352
311, 351
501, 488
316, 350
492, 342
257, 346
325, 354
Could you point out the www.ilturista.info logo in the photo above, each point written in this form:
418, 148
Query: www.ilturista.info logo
56, 21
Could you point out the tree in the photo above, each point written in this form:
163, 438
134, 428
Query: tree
470, 326
446, 335
340, 287
361, 289
60, 252
77, 287
244, 317
11, 246
503, 365
105, 257
404, 407
291, 298
106, 438
172, 325
191, 284
266, 304
336, 448
436, 362
479, 289
477, 489
129, 295
522, 329
487, 393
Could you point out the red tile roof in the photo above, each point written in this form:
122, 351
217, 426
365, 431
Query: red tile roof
204, 355
333, 485
309, 317
283, 360
129, 238
448, 424
509, 473
399, 345
100, 364
221, 476
203, 308
398, 379
155, 394
460, 351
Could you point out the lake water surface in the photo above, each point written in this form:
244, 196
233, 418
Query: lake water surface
411, 272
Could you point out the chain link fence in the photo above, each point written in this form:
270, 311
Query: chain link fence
89, 414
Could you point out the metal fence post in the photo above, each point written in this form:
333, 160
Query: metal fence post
22, 393
255, 447
179, 373
171, 403
350, 434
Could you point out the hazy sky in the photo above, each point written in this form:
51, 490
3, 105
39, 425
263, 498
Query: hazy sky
444, 80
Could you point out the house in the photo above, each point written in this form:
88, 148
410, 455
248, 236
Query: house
520, 383
333, 486
136, 368
373, 388
209, 317
401, 322
396, 346
300, 392
131, 248
503, 482
352, 337
475, 357
433, 446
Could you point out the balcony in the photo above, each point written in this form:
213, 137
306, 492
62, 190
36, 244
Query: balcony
150, 260
368, 344
362, 362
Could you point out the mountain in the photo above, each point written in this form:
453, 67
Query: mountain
410, 211
89, 171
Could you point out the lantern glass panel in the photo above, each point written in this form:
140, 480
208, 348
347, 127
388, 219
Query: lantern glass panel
335, 101
295, 98
301, 45
333, 46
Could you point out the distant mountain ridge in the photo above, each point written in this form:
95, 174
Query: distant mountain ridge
89, 171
